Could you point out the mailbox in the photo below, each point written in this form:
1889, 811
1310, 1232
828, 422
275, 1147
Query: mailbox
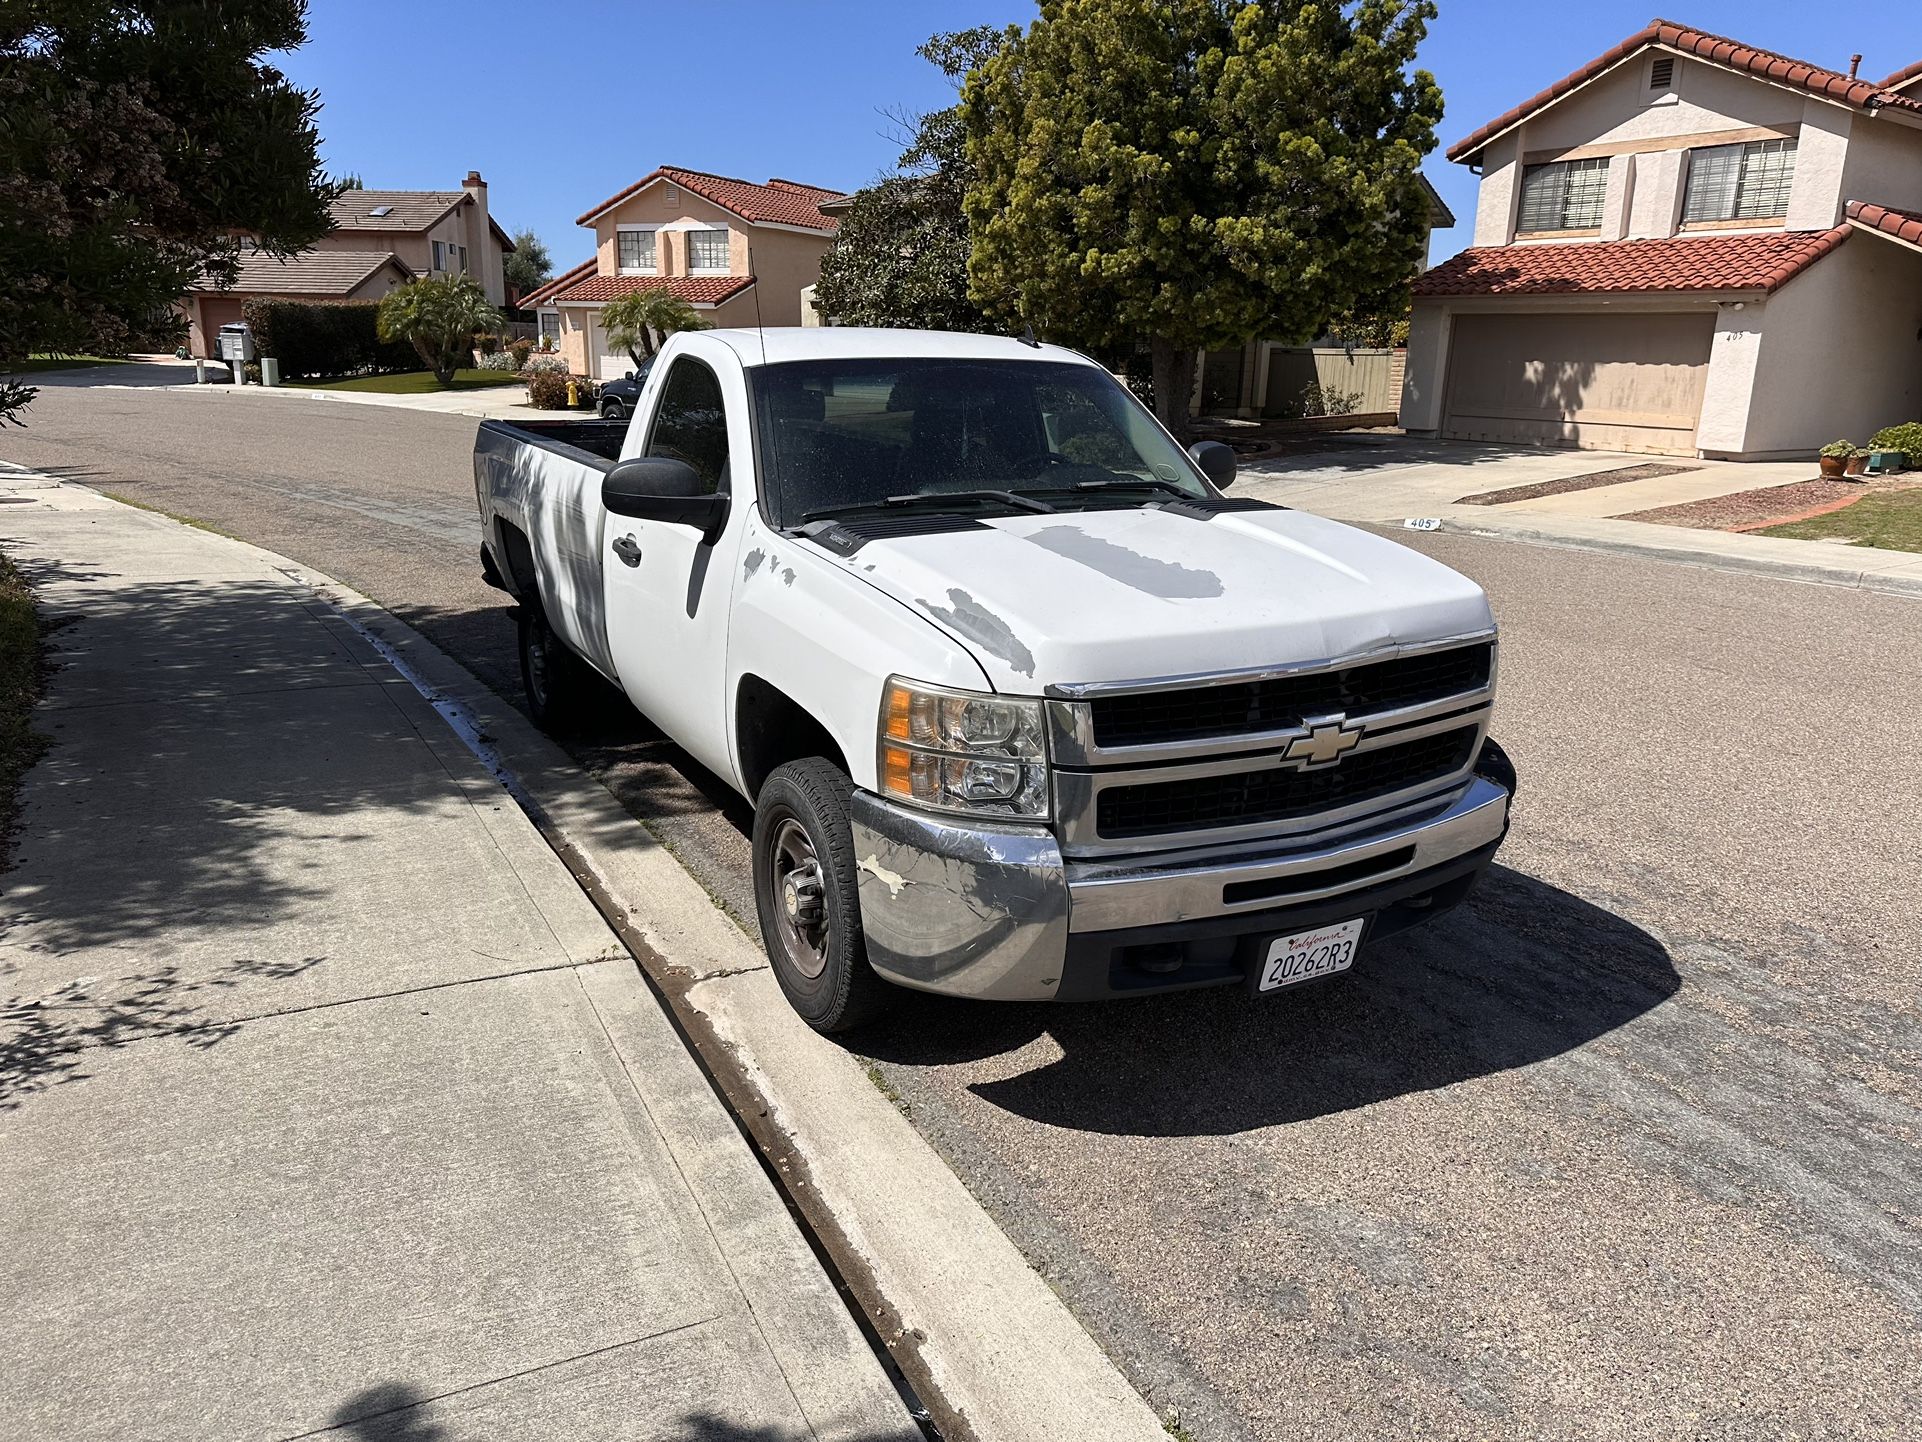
237, 344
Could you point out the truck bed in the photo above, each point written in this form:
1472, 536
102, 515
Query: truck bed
591, 441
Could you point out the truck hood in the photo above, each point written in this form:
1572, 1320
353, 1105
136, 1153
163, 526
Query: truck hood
1128, 595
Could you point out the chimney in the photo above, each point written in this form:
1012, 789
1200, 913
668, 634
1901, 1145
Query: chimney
482, 261
1855, 64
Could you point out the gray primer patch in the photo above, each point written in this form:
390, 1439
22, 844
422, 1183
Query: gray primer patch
787, 576
754, 559
1165, 579
969, 617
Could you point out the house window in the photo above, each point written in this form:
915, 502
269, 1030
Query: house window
707, 250
550, 325
1739, 182
440, 255
636, 250
1566, 195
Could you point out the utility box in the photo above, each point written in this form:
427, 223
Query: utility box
237, 343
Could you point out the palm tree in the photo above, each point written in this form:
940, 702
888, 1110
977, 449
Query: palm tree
439, 316
633, 321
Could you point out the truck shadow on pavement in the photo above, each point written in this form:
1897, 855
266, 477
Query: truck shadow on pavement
1520, 973
402, 1412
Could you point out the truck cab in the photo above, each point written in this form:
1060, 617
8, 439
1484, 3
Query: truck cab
1027, 706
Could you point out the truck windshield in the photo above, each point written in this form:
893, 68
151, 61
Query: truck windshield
840, 435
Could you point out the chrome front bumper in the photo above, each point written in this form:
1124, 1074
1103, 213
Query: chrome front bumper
988, 911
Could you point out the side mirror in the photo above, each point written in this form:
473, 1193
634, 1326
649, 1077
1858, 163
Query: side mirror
1217, 462
630, 375
658, 488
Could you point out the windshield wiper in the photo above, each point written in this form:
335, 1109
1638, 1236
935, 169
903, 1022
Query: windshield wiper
938, 499
1136, 485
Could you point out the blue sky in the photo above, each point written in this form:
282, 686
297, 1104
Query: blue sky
560, 104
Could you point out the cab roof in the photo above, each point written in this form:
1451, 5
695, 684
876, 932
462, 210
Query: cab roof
776, 345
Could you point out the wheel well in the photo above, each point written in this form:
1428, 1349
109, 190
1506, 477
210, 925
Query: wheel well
772, 729
518, 552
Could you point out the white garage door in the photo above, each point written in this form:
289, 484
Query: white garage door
610, 364
1610, 382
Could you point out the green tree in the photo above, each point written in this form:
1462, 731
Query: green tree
439, 317
140, 140
1198, 173
528, 266
634, 321
901, 255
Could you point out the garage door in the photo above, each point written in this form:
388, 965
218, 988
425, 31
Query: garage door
611, 364
213, 315
1610, 382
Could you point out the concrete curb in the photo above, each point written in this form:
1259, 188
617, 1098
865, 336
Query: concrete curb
294, 390
993, 1352
1808, 572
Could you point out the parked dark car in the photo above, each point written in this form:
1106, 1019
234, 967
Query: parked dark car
618, 398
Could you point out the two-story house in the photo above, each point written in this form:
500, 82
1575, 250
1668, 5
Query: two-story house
1688, 246
380, 239
738, 252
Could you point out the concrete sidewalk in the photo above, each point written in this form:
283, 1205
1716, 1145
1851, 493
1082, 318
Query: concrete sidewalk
1387, 480
328, 1103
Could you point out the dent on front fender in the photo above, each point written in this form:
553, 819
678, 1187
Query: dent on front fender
967, 909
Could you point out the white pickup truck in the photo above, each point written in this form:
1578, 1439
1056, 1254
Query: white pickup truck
1026, 707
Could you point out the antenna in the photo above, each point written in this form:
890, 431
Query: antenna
1027, 335
754, 284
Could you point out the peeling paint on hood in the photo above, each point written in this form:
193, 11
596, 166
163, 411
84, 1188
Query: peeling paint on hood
1124, 595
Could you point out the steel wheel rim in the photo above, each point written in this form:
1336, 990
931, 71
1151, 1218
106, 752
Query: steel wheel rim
800, 899
537, 663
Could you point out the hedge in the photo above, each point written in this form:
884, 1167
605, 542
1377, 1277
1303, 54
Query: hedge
314, 338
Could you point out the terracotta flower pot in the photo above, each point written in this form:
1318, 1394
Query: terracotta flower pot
1857, 465
1833, 466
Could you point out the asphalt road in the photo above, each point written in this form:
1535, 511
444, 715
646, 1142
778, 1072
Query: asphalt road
1627, 1147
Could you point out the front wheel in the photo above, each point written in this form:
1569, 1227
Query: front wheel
805, 891
613, 410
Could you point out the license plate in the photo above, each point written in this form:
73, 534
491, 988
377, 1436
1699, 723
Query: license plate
1309, 954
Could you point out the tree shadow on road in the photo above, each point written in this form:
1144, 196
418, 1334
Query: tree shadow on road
1520, 973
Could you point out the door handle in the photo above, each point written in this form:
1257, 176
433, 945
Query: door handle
628, 549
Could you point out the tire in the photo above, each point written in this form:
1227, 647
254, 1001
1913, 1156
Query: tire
613, 410
823, 968
551, 675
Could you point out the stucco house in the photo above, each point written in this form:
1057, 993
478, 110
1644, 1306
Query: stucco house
739, 252
380, 239
1688, 246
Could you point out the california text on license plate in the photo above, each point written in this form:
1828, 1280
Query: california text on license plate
1309, 954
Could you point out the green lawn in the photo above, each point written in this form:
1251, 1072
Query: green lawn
64, 363
1889, 519
20, 745
413, 383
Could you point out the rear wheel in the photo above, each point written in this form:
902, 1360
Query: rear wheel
550, 673
805, 891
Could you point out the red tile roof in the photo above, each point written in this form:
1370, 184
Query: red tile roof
779, 202
1905, 225
1904, 77
1684, 263
1716, 49
694, 289
559, 283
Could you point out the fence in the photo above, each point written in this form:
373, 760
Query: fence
1363, 380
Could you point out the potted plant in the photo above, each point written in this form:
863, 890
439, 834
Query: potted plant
1835, 458
1858, 461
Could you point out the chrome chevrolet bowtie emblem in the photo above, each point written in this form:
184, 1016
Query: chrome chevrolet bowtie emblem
1329, 739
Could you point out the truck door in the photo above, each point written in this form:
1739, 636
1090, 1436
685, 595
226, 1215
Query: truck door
667, 592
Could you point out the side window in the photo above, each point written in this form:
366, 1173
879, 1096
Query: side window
690, 423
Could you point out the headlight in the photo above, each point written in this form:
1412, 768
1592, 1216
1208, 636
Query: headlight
964, 751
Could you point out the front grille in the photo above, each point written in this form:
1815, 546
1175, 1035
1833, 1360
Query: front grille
1159, 718
1246, 798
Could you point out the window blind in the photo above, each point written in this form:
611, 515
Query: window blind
707, 250
1565, 195
1740, 182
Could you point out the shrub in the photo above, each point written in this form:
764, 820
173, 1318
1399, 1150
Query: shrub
1904, 438
544, 365
547, 390
313, 338
1838, 450
520, 350
498, 360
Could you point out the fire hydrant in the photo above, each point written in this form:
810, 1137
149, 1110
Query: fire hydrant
573, 394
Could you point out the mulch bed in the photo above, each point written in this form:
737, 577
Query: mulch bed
1589, 482
1745, 510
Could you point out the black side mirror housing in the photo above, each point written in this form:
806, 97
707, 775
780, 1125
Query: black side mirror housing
1217, 462
659, 488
